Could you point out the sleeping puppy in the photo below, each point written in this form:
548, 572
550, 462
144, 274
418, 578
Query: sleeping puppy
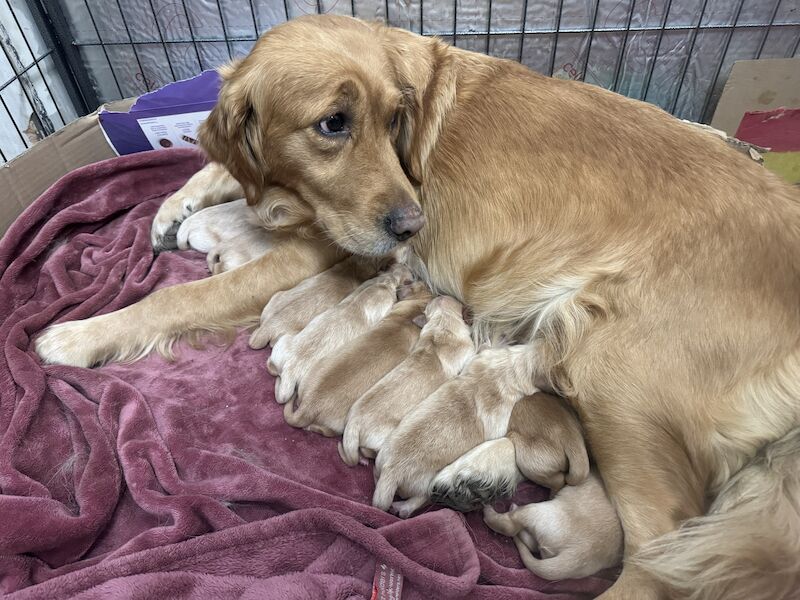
335, 383
234, 252
206, 228
290, 311
576, 534
544, 444
293, 355
444, 347
462, 413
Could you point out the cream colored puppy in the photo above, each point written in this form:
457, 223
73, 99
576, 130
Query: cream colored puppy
208, 227
334, 383
576, 534
444, 347
234, 252
290, 311
293, 355
544, 444
462, 413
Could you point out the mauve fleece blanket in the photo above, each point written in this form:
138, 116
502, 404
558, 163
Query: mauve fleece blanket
180, 479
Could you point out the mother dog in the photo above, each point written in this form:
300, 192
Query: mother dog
655, 271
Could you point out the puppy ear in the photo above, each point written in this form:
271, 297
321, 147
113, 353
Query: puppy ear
420, 321
233, 135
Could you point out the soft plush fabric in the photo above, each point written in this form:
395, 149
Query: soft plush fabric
180, 479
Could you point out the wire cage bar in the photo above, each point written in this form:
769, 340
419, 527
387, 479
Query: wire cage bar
674, 53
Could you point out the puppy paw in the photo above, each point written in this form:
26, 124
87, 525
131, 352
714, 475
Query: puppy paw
481, 476
406, 508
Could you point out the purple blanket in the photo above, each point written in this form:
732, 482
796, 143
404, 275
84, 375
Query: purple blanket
181, 480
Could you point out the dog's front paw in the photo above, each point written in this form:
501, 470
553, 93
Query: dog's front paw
75, 343
481, 476
168, 219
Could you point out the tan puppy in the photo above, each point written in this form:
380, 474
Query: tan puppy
290, 311
445, 345
334, 383
462, 413
206, 228
576, 534
293, 355
544, 444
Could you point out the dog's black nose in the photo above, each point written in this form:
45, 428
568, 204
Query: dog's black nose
404, 221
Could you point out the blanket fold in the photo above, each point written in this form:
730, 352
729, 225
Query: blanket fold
180, 479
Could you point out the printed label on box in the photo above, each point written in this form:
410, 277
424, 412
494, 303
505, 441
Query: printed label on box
173, 131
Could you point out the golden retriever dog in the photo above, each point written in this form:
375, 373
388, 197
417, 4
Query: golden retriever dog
444, 347
544, 444
576, 533
334, 383
290, 311
294, 355
463, 413
654, 269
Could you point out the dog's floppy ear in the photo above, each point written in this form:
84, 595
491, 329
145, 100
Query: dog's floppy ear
426, 81
234, 136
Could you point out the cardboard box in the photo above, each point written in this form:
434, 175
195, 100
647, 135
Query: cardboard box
166, 117
757, 85
24, 178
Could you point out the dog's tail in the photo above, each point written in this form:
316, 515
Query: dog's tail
351, 439
748, 546
385, 489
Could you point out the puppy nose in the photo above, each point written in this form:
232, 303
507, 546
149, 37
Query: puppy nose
404, 221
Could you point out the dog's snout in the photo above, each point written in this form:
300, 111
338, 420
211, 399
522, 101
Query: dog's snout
404, 221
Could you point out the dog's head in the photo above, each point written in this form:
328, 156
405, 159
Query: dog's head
321, 107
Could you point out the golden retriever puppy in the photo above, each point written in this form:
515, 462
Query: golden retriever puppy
445, 345
544, 444
575, 534
234, 252
293, 355
289, 312
462, 413
630, 249
206, 228
334, 383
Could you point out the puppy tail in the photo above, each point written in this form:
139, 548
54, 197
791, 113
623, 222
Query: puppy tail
348, 447
560, 566
748, 546
385, 489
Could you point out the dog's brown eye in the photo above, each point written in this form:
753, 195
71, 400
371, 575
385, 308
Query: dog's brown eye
334, 125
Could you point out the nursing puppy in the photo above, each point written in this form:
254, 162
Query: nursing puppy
576, 534
334, 383
289, 312
544, 444
462, 413
444, 347
293, 355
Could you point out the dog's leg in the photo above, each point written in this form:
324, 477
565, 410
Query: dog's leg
406, 508
211, 185
650, 480
227, 300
